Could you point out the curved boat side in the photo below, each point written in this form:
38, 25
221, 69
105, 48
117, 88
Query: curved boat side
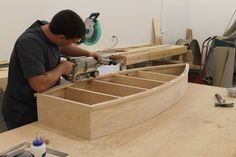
131, 110
90, 113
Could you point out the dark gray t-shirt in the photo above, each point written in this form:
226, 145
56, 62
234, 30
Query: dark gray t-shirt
33, 54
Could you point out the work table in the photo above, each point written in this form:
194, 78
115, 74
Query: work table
193, 127
3, 74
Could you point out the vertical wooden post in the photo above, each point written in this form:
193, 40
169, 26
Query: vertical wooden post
158, 38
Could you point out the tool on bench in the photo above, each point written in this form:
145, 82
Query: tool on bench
221, 102
86, 67
20, 150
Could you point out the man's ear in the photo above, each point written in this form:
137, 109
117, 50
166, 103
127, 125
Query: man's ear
61, 36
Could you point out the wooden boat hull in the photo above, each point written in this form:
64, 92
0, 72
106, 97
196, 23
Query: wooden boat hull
110, 103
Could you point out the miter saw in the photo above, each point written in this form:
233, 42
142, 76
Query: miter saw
93, 30
86, 67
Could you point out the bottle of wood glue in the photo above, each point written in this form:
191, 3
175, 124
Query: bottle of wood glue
38, 148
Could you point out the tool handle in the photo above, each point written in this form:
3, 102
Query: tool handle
94, 16
219, 98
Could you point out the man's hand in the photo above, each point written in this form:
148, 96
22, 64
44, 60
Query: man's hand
95, 55
41, 83
67, 67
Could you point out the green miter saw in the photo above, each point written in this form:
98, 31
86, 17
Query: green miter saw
93, 29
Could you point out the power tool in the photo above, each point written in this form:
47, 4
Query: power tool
86, 67
93, 29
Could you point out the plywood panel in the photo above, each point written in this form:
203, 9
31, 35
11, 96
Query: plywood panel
3, 78
130, 81
152, 76
64, 115
108, 88
86, 97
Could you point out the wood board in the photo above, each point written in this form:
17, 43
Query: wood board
134, 55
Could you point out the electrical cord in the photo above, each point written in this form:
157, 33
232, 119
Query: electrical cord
114, 38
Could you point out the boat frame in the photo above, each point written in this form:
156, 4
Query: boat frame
101, 106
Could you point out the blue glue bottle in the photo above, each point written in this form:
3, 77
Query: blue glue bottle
38, 148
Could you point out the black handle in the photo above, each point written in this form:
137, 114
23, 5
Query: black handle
219, 98
94, 16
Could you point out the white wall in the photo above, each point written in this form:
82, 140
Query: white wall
210, 17
175, 18
129, 20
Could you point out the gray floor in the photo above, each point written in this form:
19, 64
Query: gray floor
2, 124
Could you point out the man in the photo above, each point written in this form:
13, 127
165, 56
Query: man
35, 64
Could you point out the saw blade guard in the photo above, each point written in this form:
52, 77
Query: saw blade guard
93, 29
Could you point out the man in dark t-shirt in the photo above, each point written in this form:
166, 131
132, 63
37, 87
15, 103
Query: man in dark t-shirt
35, 64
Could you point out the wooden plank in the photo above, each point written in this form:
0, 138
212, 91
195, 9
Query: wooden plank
4, 62
189, 34
144, 49
53, 111
168, 51
86, 97
171, 71
157, 33
130, 81
125, 49
147, 54
153, 76
3, 78
150, 68
108, 88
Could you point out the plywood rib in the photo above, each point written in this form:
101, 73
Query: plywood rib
179, 80
87, 97
152, 76
108, 88
140, 78
171, 71
93, 92
131, 81
156, 76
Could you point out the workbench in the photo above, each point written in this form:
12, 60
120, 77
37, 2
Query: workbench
139, 54
193, 127
3, 74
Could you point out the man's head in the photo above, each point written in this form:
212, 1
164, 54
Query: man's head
68, 26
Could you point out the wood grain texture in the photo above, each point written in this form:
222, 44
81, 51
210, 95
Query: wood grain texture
64, 115
4, 62
193, 127
3, 78
147, 53
100, 110
108, 88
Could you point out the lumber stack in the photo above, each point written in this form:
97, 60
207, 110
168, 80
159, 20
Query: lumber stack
138, 54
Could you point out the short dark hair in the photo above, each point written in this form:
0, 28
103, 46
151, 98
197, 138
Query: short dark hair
67, 23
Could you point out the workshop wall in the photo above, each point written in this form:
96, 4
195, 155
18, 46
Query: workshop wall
130, 21
209, 18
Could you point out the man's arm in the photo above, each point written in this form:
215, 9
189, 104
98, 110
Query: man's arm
75, 51
41, 83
